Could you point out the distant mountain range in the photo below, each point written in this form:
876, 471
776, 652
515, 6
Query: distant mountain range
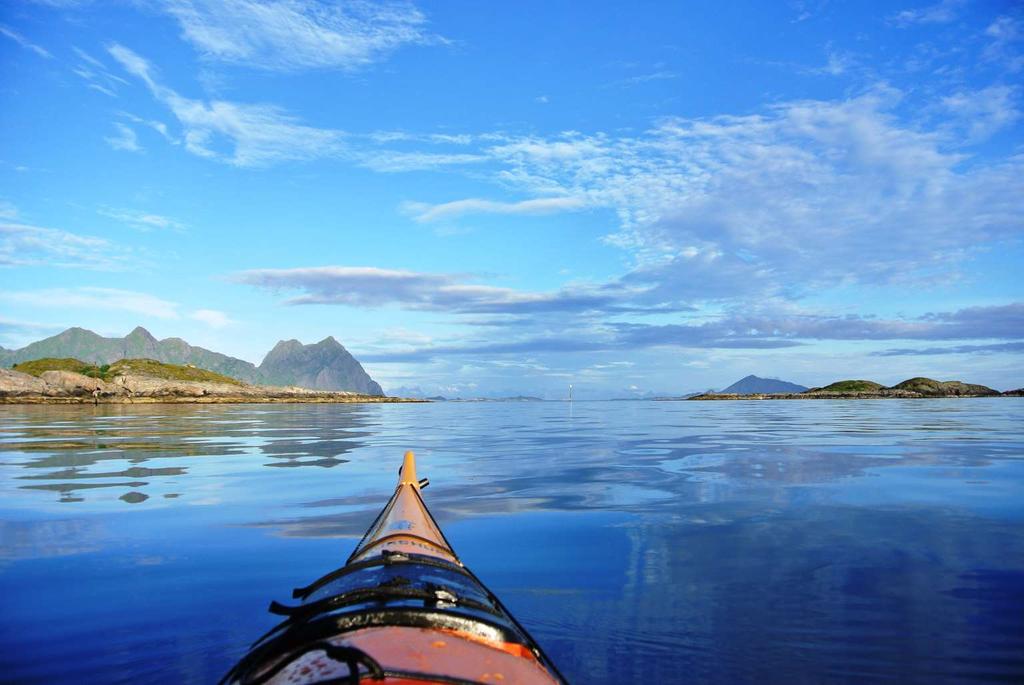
325, 365
754, 384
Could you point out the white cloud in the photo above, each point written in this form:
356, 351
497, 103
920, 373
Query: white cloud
837, 63
16, 333
24, 42
376, 287
158, 126
88, 298
30, 327
143, 221
810, 192
212, 318
125, 139
298, 34
86, 57
941, 12
750, 328
425, 213
24, 245
1004, 33
661, 75
253, 135
984, 112
384, 137
805, 195
392, 161
95, 74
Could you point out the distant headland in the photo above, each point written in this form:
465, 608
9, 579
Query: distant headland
912, 388
141, 381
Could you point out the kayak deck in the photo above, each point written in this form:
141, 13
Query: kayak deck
403, 609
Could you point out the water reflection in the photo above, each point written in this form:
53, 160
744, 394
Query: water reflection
67, 447
47, 538
838, 595
657, 542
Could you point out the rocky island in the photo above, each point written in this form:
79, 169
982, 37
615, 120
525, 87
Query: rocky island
912, 388
325, 365
130, 381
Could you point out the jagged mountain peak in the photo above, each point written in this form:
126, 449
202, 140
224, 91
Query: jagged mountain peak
321, 366
140, 332
325, 365
286, 344
329, 341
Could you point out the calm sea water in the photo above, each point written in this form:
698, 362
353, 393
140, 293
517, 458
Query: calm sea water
655, 542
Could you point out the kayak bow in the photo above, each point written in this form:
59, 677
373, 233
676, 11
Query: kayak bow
403, 609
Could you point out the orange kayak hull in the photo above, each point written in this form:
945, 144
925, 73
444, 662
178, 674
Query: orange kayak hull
403, 609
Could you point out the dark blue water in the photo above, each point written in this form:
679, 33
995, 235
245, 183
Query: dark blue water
659, 542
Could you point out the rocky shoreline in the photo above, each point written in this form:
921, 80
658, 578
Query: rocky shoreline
67, 387
880, 395
910, 389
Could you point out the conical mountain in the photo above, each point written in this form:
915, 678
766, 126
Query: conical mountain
754, 384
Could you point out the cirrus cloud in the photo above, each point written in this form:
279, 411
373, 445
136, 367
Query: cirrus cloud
25, 245
288, 35
240, 134
426, 213
90, 298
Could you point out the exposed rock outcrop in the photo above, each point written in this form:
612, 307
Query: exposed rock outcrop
14, 384
325, 365
67, 387
76, 385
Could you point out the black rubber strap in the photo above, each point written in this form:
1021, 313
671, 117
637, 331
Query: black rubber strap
387, 558
305, 611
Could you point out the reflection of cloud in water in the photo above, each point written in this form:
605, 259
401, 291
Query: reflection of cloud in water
361, 511
47, 538
645, 484
804, 542
828, 594
325, 463
534, 456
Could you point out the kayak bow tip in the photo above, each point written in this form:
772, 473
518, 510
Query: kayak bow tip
407, 475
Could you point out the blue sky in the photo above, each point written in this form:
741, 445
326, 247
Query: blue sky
511, 197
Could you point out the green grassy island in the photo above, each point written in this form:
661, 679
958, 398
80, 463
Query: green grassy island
125, 367
912, 388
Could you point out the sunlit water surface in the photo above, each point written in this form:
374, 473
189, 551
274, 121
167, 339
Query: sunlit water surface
654, 542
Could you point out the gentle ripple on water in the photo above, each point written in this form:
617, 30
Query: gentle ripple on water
639, 541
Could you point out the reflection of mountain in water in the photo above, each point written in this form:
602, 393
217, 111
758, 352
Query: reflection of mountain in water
67, 455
